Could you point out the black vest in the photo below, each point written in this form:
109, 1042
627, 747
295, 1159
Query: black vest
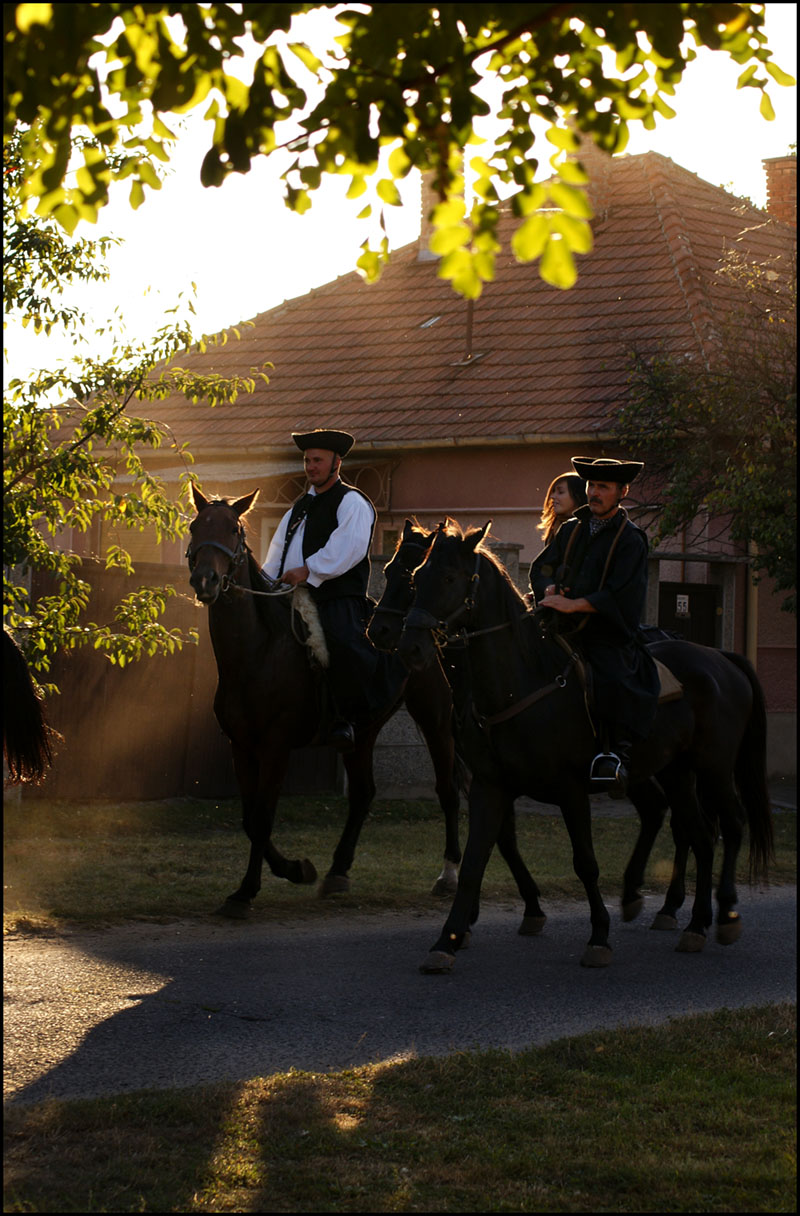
321, 516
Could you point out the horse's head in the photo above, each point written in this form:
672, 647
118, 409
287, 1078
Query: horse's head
445, 589
217, 544
387, 620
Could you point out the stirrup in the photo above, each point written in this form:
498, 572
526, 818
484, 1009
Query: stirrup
600, 782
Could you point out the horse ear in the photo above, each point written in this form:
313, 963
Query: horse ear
243, 505
479, 534
200, 499
408, 530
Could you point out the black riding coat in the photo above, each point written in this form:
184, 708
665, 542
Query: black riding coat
626, 679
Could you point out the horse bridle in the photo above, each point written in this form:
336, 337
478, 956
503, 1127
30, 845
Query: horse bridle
236, 555
420, 618
406, 544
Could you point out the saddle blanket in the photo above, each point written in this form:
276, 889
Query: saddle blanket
671, 687
304, 606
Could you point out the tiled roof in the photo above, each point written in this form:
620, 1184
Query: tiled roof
361, 357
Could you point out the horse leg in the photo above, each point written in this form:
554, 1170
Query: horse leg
433, 716
718, 792
259, 784
533, 919
577, 815
690, 824
488, 809
360, 792
651, 805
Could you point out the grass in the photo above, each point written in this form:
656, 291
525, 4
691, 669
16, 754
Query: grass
103, 863
694, 1116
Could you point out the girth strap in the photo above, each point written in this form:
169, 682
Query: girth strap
519, 706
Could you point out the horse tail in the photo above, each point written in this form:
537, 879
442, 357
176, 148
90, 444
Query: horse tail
750, 771
26, 743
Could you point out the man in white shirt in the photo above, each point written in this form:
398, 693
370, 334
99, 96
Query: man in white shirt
324, 541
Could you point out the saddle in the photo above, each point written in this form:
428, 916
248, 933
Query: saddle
671, 688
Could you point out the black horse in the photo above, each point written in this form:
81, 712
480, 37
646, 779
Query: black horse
525, 730
385, 630
26, 735
268, 702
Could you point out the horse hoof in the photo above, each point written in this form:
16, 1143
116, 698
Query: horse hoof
444, 886
596, 956
234, 909
438, 962
308, 872
663, 921
729, 931
631, 910
531, 925
334, 884
691, 943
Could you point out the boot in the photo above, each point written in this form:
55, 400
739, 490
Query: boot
342, 736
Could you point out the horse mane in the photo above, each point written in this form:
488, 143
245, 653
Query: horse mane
451, 528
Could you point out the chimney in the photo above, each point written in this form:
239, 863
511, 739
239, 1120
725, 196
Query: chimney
782, 188
599, 167
430, 198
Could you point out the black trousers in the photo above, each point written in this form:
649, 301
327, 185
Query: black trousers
362, 680
626, 688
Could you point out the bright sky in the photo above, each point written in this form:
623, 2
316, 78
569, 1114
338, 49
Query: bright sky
246, 252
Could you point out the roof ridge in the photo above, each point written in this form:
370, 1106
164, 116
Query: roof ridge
678, 240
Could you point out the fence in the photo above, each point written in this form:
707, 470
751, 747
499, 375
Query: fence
148, 730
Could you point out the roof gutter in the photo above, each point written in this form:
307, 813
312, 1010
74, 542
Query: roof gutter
280, 452
481, 441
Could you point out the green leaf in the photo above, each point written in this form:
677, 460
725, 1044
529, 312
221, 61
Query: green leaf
356, 188
766, 108
399, 162
576, 233
778, 75
564, 138
571, 200
557, 266
388, 192
136, 195
530, 238
27, 15
459, 268
747, 75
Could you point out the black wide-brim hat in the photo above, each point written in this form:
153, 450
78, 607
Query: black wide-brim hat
603, 468
331, 441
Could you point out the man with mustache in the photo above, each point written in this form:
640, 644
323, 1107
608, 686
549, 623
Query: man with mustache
594, 576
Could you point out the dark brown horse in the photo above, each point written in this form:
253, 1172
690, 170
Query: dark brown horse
525, 730
268, 702
26, 735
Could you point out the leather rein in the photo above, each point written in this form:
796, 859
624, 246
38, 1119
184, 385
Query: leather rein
236, 556
419, 618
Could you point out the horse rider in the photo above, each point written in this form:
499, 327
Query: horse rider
596, 568
324, 541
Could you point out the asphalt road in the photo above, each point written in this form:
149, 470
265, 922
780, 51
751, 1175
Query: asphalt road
155, 1006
